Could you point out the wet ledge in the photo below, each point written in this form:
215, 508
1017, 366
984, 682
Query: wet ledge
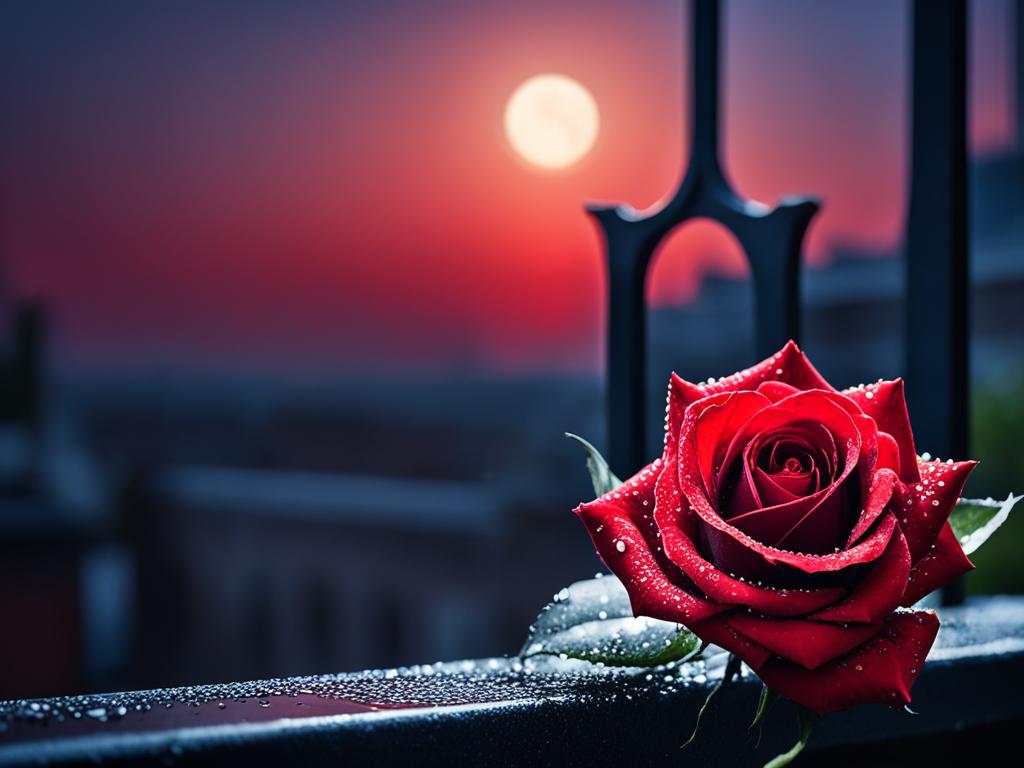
496, 712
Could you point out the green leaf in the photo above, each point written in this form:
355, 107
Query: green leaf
601, 475
592, 620
807, 721
974, 520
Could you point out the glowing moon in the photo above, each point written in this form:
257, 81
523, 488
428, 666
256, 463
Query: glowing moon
551, 121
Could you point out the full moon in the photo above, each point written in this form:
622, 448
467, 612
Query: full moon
551, 121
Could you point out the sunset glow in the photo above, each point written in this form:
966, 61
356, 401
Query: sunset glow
333, 186
551, 120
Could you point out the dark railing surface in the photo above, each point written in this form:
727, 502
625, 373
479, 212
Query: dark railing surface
504, 711
547, 712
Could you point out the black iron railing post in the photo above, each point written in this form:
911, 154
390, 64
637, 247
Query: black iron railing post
770, 237
937, 278
705, 38
627, 353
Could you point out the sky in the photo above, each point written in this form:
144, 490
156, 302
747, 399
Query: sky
326, 187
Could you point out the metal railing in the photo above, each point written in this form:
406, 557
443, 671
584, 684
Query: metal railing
936, 338
936, 243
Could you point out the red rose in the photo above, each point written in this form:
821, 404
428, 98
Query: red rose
790, 524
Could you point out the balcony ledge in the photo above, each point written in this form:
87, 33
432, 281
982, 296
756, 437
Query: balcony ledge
496, 712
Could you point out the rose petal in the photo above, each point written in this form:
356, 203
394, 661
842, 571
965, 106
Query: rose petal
625, 536
814, 441
740, 553
922, 508
743, 554
766, 523
938, 568
823, 529
886, 403
883, 484
868, 462
808, 413
772, 485
882, 670
880, 591
808, 643
722, 588
789, 365
798, 517
715, 420
716, 630
781, 487
680, 395
776, 390
869, 434
676, 537
826, 525
756, 488
840, 399
888, 453
744, 497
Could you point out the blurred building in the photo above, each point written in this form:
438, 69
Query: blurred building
288, 530
52, 519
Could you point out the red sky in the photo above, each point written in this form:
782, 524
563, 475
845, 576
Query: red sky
324, 187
